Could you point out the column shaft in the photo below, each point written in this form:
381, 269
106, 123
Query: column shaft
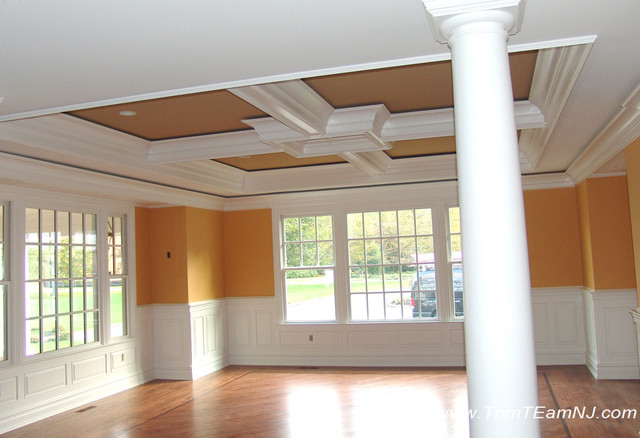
499, 340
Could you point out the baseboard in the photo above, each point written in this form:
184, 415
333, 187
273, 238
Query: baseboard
351, 361
72, 401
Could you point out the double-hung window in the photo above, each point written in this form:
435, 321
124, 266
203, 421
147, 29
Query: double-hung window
61, 273
308, 268
117, 276
455, 260
391, 265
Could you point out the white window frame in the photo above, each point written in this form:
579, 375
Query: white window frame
5, 283
436, 196
18, 200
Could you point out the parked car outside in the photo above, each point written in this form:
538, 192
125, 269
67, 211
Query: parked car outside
423, 295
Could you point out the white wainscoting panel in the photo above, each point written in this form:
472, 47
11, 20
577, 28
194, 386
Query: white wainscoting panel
39, 387
558, 322
612, 351
257, 337
209, 351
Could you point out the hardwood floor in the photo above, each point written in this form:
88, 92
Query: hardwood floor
338, 402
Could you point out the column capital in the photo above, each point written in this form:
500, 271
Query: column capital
446, 15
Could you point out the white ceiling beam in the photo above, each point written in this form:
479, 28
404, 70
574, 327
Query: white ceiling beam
208, 147
439, 123
621, 130
371, 163
556, 72
292, 103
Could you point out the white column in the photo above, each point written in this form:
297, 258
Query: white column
500, 353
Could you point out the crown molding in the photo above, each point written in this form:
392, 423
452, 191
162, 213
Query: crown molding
292, 103
623, 128
546, 181
556, 72
22, 171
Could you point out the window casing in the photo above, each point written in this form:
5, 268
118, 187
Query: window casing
117, 276
4, 280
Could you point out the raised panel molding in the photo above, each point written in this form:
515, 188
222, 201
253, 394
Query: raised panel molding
612, 351
88, 368
48, 379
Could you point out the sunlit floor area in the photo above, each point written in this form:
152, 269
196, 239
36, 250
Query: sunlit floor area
340, 402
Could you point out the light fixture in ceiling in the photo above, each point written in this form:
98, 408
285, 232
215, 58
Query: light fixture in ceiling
128, 113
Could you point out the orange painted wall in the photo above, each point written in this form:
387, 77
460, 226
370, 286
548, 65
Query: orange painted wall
205, 254
143, 274
605, 225
248, 249
632, 158
553, 237
169, 279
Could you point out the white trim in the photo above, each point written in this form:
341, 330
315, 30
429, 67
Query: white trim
621, 130
612, 350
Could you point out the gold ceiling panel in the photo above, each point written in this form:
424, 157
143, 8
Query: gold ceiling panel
422, 147
178, 116
278, 160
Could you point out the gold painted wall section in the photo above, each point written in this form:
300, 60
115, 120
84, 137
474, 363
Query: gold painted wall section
143, 274
205, 254
553, 236
168, 255
248, 249
632, 158
605, 225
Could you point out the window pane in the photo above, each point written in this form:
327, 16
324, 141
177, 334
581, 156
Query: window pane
376, 306
372, 224
374, 251
117, 300
291, 229
425, 249
408, 273
309, 254
310, 295
49, 334
77, 295
117, 230
325, 228
427, 277
48, 261
354, 225
456, 247
63, 227
92, 327
32, 262
357, 282
47, 226
90, 229
389, 221
406, 223
77, 228
32, 299
358, 307
78, 329
456, 272
325, 253
32, 225
393, 305
90, 260
63, 261
64, 297
374, 279
292, 253
64, 331
77, 261
390, 250
33, 337
356, 252
408, 250
308, 228
48, 298
454, 219
424, 224
2, 262
391, 278
91, 295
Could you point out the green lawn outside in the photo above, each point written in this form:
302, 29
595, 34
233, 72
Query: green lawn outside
303, 289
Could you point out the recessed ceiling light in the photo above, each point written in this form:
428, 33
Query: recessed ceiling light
127, 113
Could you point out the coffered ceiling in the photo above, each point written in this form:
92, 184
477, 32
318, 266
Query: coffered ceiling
242, 98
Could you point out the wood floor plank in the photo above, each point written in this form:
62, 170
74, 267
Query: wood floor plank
331, 402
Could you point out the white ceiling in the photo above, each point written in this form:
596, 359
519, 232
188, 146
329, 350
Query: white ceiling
58, 56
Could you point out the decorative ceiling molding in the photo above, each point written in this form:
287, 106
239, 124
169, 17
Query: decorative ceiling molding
292, 103
623, 128
208, 147
439, 123
557, 70
36, 173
